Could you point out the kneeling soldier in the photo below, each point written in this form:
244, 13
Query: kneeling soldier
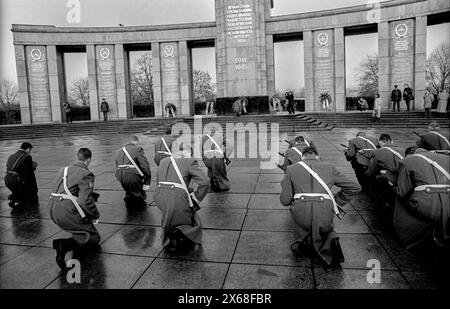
383, 171
72, 207
306, 187
422, 209
215, 159
181, 225
294, 153
133, 173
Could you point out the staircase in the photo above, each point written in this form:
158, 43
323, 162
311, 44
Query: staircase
286, 123
364, 119
129, 126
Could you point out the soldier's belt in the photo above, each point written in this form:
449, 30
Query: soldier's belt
171, 185
433, 188
164, 152
72, 198
125, 166
12, 173
319, 196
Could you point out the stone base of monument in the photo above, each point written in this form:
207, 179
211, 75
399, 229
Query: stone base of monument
256, 105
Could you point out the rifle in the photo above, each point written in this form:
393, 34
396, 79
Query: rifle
343, 145
417, 134
282, 154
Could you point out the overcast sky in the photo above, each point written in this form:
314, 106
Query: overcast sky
150, 12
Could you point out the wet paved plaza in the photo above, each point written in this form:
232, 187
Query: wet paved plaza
246, 236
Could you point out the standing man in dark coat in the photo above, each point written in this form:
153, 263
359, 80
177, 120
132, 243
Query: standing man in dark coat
290, 102
73, 209
359, 152
68, 110
133, 172
104, 107
215, 160
434, 139
396, 97
20, 177
407, 96
383, 171
306, 188
422, 209
181, 225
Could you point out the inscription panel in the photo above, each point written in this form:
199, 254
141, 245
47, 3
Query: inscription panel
106, 77
323, 66
402, 53
170, 75
38, 83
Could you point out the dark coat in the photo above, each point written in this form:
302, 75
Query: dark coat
22, 180
80, 182
385, 160
418, 212
355, 145
174, 202
314, 217
396, 95
431, 141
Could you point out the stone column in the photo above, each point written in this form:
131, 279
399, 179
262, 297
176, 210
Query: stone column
339, 68
384, 84
323, 68
92, 76
309, 79
184, 79
402, 54
54, 83
420, 61
270, 60
122, 110
38, 84
240, 26
170, 75
22, 83
156, 73
106, 78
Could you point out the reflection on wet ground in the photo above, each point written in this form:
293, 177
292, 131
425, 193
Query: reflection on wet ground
247, 232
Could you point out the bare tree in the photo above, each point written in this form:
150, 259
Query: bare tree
142, 80
9, 95
367, 75
79, 92
438, 68
203, 87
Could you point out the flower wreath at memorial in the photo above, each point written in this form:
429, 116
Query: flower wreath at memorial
170, 105
325, 99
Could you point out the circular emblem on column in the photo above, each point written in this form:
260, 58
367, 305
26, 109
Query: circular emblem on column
104, 53
36, 54
322, 39
401, 30
169, 51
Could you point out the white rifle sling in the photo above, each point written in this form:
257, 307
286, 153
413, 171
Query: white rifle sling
322, 183
182, 184
217, 145
132, 162
307, 143
167, 148
369, 141
441, 136
396, 153
68, 195
298, 151
435, 164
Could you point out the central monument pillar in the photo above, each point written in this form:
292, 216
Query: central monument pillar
241, 54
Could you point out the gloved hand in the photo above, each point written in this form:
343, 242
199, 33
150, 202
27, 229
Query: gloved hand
95, 221
146, 187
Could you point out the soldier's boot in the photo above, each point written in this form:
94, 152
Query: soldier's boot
336, 252
62, 247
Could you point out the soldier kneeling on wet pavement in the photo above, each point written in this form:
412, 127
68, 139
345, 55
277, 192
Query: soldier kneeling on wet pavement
181, 225
133, 173
383, 173
20, 177
306, 188
72, 208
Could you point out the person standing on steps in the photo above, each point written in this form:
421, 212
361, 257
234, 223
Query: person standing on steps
68, 110
396, 96
407, 96
105, 109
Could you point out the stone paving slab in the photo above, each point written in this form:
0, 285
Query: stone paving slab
246, 237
